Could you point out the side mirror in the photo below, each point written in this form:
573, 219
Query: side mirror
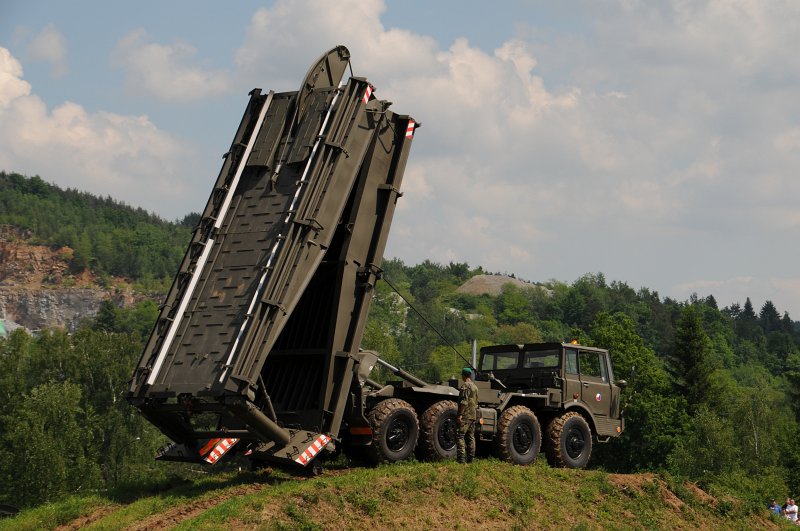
622, 384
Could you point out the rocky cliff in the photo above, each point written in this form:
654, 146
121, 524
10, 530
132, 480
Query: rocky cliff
38, 290
36, 309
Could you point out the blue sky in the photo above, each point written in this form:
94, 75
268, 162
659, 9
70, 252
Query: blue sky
658, 143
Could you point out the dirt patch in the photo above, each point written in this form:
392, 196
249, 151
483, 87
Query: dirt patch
84, 521
640, 484
631, 482
669, 498
700, 494
176, 515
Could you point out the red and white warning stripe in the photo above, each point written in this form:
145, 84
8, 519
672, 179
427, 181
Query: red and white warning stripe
410, 129
368, 93
219, 450
316, 447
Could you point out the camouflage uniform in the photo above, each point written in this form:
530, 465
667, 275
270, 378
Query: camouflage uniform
467, 411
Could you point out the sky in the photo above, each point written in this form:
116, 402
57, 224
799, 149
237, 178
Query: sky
655, 142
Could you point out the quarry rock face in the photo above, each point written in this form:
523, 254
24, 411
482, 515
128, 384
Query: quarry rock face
36, 309
38, 290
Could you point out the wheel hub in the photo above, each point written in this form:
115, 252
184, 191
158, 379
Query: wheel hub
397, 435
523, 439
575, 443
447, 434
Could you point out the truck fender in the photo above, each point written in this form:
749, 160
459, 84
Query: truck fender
579, 408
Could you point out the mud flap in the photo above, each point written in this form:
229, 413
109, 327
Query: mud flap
303, 448
218, 448
207, 450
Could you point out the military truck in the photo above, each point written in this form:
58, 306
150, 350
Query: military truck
256, 349
568, 389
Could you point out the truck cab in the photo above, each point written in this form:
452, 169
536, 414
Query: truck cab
565, 376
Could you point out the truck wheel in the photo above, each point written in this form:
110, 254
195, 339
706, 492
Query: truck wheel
569, 441
394, 431
438, 431
519, 436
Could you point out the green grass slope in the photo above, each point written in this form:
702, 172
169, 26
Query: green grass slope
487, 494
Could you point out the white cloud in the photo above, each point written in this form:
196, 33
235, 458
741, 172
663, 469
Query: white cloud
656, 142
126, 157
11, 84
49, 46
283, 40
657, 132
162, 71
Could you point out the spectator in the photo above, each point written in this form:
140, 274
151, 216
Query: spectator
774, 508
791, 511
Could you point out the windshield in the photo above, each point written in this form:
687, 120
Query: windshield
492, 361
542, 359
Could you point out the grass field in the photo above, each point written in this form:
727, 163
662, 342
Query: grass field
487, 494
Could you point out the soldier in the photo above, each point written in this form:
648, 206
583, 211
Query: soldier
467, 412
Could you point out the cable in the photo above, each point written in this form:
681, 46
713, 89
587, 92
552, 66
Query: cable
383, 277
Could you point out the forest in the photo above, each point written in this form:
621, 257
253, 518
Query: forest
107, 236
713, 392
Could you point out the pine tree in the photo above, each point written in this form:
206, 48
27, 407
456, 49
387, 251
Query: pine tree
769, 317
691, 361
747, 311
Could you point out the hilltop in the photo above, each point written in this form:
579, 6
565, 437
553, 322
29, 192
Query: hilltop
490, 284
487, 494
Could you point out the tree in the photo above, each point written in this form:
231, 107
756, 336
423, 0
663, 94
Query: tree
708, 451
769, 318
747, 312
792, 375
512, 305
654, 420
48, 434
518, 334
446, 363
460, 271
378, 337
691, 361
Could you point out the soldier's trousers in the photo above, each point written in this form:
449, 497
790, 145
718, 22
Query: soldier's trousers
465, 444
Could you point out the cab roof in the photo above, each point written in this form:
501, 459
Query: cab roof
538, 346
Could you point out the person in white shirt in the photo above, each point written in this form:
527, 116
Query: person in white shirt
791, 511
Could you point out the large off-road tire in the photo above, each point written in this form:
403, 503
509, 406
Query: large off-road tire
519, 436
438, 431
568, 441
394, 431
